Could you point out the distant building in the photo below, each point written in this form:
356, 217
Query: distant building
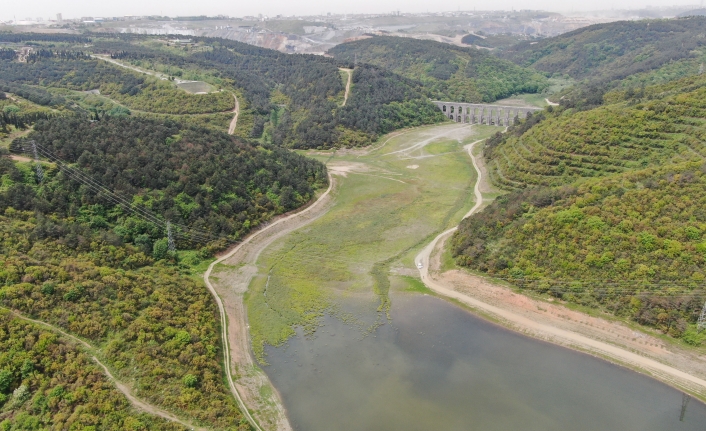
58, 17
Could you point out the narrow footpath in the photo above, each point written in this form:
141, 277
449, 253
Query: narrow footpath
504, 312
122, 387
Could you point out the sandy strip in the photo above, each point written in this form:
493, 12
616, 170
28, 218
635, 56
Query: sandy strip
544, 329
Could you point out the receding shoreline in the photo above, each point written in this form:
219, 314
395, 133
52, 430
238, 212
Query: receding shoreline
473, 292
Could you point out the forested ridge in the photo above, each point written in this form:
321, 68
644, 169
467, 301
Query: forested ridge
656, 125
632, 243
613, 51
447, 72
71, 256
295, 98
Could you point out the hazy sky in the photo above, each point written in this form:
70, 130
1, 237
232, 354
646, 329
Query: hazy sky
77, 8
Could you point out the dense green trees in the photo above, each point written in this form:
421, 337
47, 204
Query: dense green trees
155, 326
195, 177
446, 71
293, 98
76, 71
633, 243
633, 129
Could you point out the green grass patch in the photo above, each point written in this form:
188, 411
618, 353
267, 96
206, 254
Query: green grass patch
414, 285
383, 214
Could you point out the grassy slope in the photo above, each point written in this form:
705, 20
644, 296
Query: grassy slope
375, 221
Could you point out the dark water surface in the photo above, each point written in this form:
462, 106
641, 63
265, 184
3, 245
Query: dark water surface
437, 367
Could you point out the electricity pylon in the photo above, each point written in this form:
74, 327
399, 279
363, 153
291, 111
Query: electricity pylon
40, 171
701, 324
170, 238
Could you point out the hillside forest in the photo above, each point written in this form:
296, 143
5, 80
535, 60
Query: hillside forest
71, 255
447, 72
293, 101
606, 199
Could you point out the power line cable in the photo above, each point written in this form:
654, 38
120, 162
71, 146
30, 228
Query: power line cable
193, 234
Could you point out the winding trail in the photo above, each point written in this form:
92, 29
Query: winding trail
565, 337
348, 85
125, 389
233, 317
236, 111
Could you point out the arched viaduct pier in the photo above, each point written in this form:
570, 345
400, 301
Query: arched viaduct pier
474, 113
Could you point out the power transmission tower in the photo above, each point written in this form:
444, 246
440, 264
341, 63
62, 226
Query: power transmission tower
170, 238
701, 324
40, 171
701, 69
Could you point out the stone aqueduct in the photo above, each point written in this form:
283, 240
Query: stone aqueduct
474, 113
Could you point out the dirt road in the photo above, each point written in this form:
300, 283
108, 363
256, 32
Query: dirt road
234, 121
228, 291
465, 289
348, 85
136, 402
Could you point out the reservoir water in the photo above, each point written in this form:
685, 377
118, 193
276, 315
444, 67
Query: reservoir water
435, 366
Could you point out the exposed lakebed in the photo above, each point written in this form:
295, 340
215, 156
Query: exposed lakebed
436, 366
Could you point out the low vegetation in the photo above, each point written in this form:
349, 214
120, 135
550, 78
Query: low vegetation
46, 382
